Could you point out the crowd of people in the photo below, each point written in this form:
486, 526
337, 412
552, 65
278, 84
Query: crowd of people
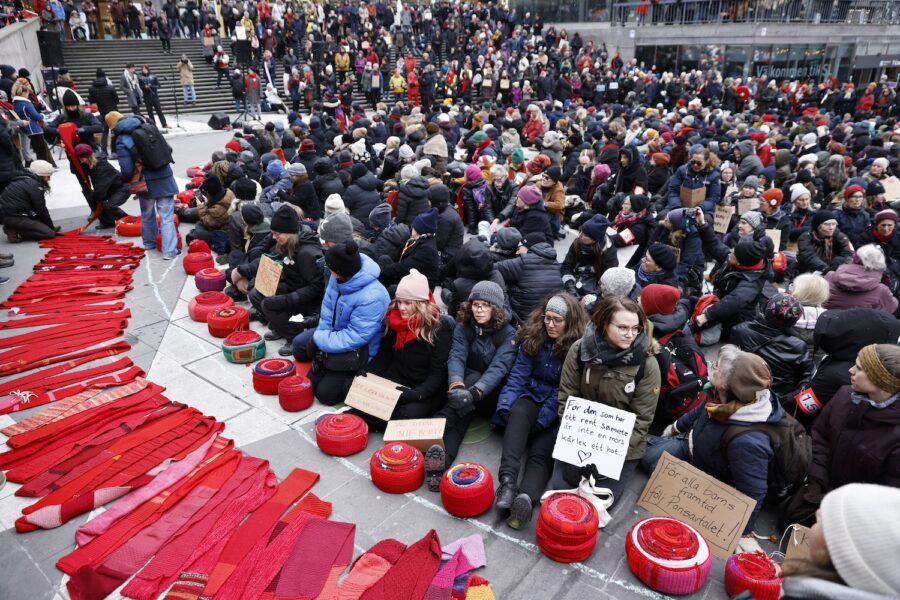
497, 248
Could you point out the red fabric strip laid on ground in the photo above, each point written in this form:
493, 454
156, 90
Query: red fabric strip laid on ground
94, 354
16, 360
74, 318
413, 572
321, 546
59, 332
33, 380
369, 568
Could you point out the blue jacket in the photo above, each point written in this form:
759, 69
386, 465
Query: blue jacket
481, 356
160, 183
357, 307
536, 379
688, 178
270, 194
853, 223
746, 462
26, 110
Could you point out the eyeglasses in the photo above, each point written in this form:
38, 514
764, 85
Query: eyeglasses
480, 306
553, 320
697, 163
625, 329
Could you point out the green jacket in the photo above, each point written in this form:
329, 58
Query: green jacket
605, 384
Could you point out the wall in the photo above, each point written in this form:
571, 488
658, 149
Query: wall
19, 48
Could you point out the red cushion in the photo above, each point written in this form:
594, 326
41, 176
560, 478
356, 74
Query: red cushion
201, 305
341, 434
128, 226
397, 468
199, 246
209, 279
467, 490
295, 393
224, 321
269, 372
195, 262
754, 572
668, 556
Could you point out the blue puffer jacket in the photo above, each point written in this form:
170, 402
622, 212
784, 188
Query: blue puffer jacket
535, 378
746, 462
270, 194
481, 356
687, 177
357, 307
853, 223
160, 183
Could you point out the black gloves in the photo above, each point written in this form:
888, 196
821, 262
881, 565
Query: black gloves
463, 400
310, 322
571, 288
408, 395
588, 471
275, 304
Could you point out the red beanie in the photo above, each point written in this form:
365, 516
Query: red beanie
759, 137
853, 189
233, 145
658, 299
773, 197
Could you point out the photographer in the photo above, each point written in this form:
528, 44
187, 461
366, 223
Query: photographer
186, 76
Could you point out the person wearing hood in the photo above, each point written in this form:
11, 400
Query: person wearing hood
616, 347
301, 285
658, 266
412, 200
248, 233
249, 165
858, 284
326, 181
658, 173
481, 356
506, 243
700, 173
73, 112
590, 255
450, 229
554, 199
824, 247
108, 189
23, 205
474, 195
434, 148
531, 275
774, 217
742, 398
362, 195
213, 214
783, 172
388, 237
884, 235
104, 95
852, 217
307, 155
681, 232
473, 263
420, 252
295, 188
530, 216
746, 159
626, 180
633, 225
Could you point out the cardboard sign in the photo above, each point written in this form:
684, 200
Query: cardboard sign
718, 511
775, 235
267, 276
745, 204
421, 433
798, 543
373, 395
692, 197
593, 433
625, 254
891, 188
613, 85
722, 218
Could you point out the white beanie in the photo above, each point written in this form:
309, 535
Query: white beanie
406, 153
41, 168
809, 139
807, 158
861, 523
617, 281
797, 190
334, 205
882, 161
409, 171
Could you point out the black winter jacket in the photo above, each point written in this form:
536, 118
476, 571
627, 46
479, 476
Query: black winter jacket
412, 200
503, 199
471, 209
473, 263
811, 252
530, 277
362, 196
10, 160
420, 253
105, 180
327, 180
585, 269
24, 197
103, 95
533, 220
788, 357
304, 195
450, 232
391, 240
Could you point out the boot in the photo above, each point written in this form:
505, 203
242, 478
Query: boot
521, 511
435, 463
506, 493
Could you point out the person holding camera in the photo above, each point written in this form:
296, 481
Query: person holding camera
186, 77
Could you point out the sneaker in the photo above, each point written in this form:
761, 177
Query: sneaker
521, 511
273, 336
171, 256
435, 463
286, 350
222, 259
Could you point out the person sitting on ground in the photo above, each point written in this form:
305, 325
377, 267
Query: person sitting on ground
823, 248
530, 215
801, 213
419, 252
362, 195
589, 256
389, 237
255, 238
774, 217
506, 243
23, 205
108, 190
527, 407
450, 229
658, 266
858, 284
852, 217
633, 226
666, 310
481, 357
531, 275
742, 398
680, 232
212, 211
472, 265
618, 281
811, 291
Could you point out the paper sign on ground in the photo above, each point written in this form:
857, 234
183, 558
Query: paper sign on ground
421, 433
722, 218
798, 543
891, 188
267, 276
593, 433
373, 395
681, 491
745, 204
625, 253
775, 235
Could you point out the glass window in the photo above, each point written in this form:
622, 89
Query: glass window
736, 59
646, 55
666, 58
689, 57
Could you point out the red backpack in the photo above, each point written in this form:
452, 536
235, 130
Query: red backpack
683, 375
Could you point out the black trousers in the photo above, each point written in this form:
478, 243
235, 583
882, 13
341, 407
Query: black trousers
519, 439
111, 211
28, 229
456, 427
279, 322
152, 103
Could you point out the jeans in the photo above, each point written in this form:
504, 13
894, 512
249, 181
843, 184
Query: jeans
299, 345
239, 105
676, 446
188, 91
165, 208
555, 226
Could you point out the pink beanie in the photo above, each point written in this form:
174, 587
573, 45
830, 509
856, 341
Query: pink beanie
602, 172
530, 195
473, 173
413, 287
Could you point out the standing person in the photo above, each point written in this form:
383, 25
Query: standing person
252, 91
103, 94
132, 88
165, 33
27, 112
149, 84
161, 187
238, 91
90, 15
24, 207
120, 18
186, 77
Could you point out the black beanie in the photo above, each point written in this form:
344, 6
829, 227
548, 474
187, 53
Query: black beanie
212, 188
639, 202
805, 176
663, 256
244, 189
554, 173
69, 98
439, 195
358, 170
252, 214
344, 259
820, 217
749, 253
285, 220
100, 74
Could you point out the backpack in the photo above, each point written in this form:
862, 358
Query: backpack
683, 375
793, 452
151, 147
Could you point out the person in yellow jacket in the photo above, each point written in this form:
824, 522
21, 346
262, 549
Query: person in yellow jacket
397, 84
342, 64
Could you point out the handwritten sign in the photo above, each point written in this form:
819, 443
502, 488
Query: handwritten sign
421, 433
625, 254
775, 236
267, 276
679, 490
593, 433
373, 395
745, 204
798, 543
891, 188
722, 218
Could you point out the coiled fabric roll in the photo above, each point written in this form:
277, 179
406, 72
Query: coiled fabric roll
341, 434
268, 373
667, 555
204, 303
467, 490
210, 280
567, 528
397, 468
243, 347
198, 246
194, 262
295, 393
223, 321
128, 226
754, 572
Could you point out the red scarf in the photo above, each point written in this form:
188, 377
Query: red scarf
757, 267
405, 329
880, 237
623, 220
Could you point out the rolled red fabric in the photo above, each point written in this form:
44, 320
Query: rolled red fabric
567, 528
198, 246
128, 226
397, 468
268, 373
209, 279
224, 321
467, 490
754, 572
243, 347
195, 172
195, 262
667, 555
341, 434
201, 305
295, 393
